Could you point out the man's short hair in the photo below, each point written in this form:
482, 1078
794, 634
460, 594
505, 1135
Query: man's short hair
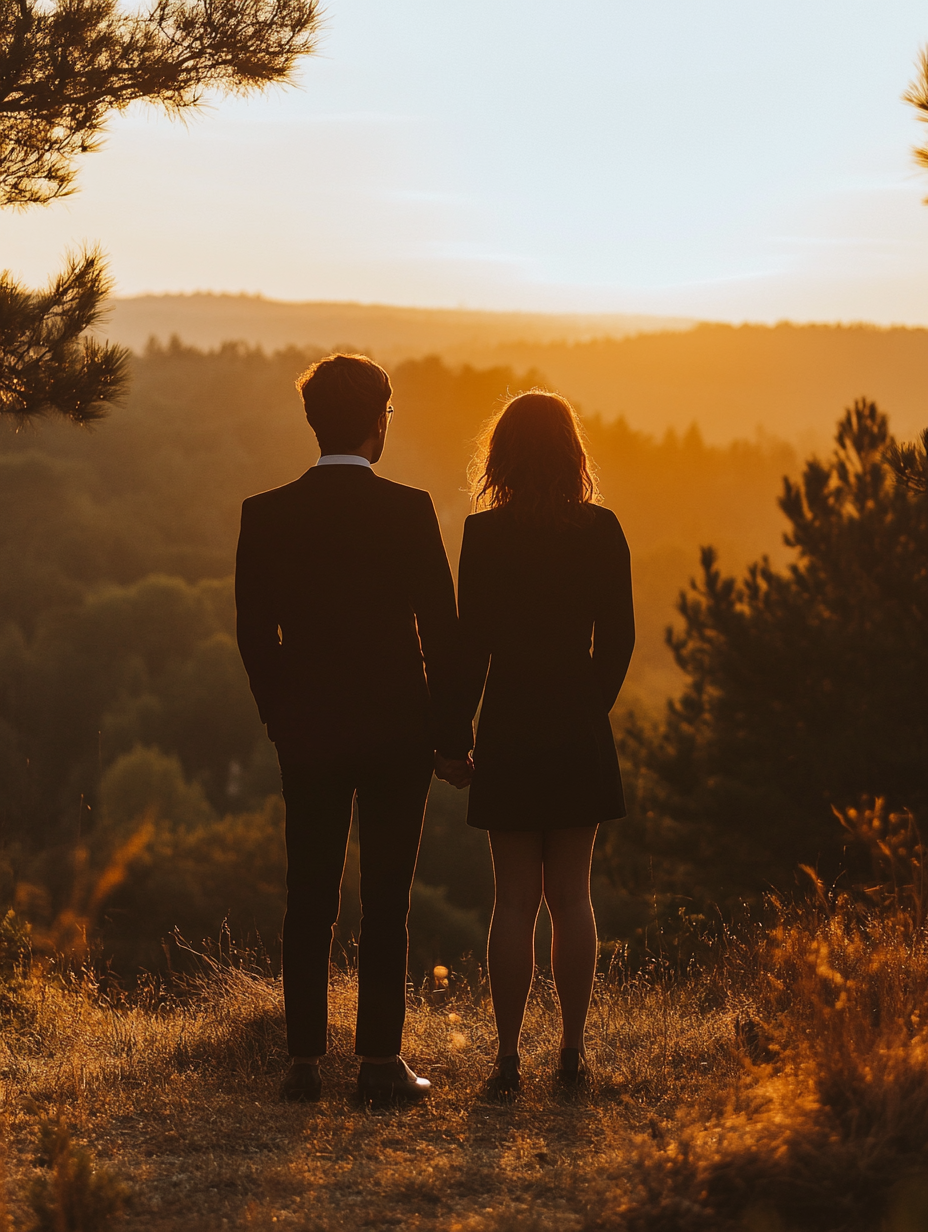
344, 397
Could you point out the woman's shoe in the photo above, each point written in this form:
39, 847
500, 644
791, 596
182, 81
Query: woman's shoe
573, 1070
505, 1082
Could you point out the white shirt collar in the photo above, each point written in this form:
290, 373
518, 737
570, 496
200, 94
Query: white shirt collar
343, 459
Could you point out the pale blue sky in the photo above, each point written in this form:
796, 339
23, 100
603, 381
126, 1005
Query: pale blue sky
715, 158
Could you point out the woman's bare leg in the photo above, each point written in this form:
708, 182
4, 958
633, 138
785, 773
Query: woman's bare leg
517, 872
567, 858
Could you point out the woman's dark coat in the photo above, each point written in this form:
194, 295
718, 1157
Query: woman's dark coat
547, 619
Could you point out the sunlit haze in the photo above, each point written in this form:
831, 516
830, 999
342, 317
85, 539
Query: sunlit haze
728, 160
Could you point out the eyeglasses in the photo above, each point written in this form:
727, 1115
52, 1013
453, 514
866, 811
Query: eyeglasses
389, 408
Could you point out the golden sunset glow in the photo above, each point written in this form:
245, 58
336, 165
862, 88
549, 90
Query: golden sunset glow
463, 616
717, 160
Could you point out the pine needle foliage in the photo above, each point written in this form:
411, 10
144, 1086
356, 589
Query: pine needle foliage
806, 686
66, 67
917, 96
48, 363
909, 463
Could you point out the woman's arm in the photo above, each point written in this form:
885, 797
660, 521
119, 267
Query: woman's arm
475, 612
614, 619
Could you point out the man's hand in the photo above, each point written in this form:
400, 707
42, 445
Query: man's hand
456, 771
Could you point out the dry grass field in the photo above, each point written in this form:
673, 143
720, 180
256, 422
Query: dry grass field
782, 1086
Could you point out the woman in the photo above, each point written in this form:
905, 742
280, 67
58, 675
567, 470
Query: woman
546, 613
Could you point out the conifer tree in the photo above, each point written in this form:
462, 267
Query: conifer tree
806, 687
65, 68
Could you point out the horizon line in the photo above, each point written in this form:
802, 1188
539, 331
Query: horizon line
679, 323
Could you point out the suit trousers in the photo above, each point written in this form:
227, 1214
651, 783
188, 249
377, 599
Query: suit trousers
391, 786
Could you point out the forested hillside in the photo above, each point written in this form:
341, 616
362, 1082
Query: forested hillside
121, 691
158, 486
123, 703
790, 381
786, 380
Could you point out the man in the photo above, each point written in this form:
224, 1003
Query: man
348, 630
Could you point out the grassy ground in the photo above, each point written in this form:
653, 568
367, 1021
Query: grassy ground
783, 1089
180, 1102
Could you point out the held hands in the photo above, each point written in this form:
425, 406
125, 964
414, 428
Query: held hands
456, 771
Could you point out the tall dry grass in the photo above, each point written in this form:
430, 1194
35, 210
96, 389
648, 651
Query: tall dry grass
828, 1126
783, 1085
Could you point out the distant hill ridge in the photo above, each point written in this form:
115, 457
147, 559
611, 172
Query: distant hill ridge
204, 319
791, 381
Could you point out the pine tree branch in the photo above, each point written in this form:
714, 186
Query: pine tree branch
917, 96
65, 66
909, 463
65, 69
48, 363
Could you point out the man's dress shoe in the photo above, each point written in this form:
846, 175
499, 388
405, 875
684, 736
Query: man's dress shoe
303, 1083
391, 1082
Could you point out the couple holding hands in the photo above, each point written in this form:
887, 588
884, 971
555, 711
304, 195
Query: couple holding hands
368, 677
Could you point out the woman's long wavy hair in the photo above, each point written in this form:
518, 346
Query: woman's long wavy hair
532, 459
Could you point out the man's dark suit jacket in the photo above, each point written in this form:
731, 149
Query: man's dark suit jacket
346, 615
